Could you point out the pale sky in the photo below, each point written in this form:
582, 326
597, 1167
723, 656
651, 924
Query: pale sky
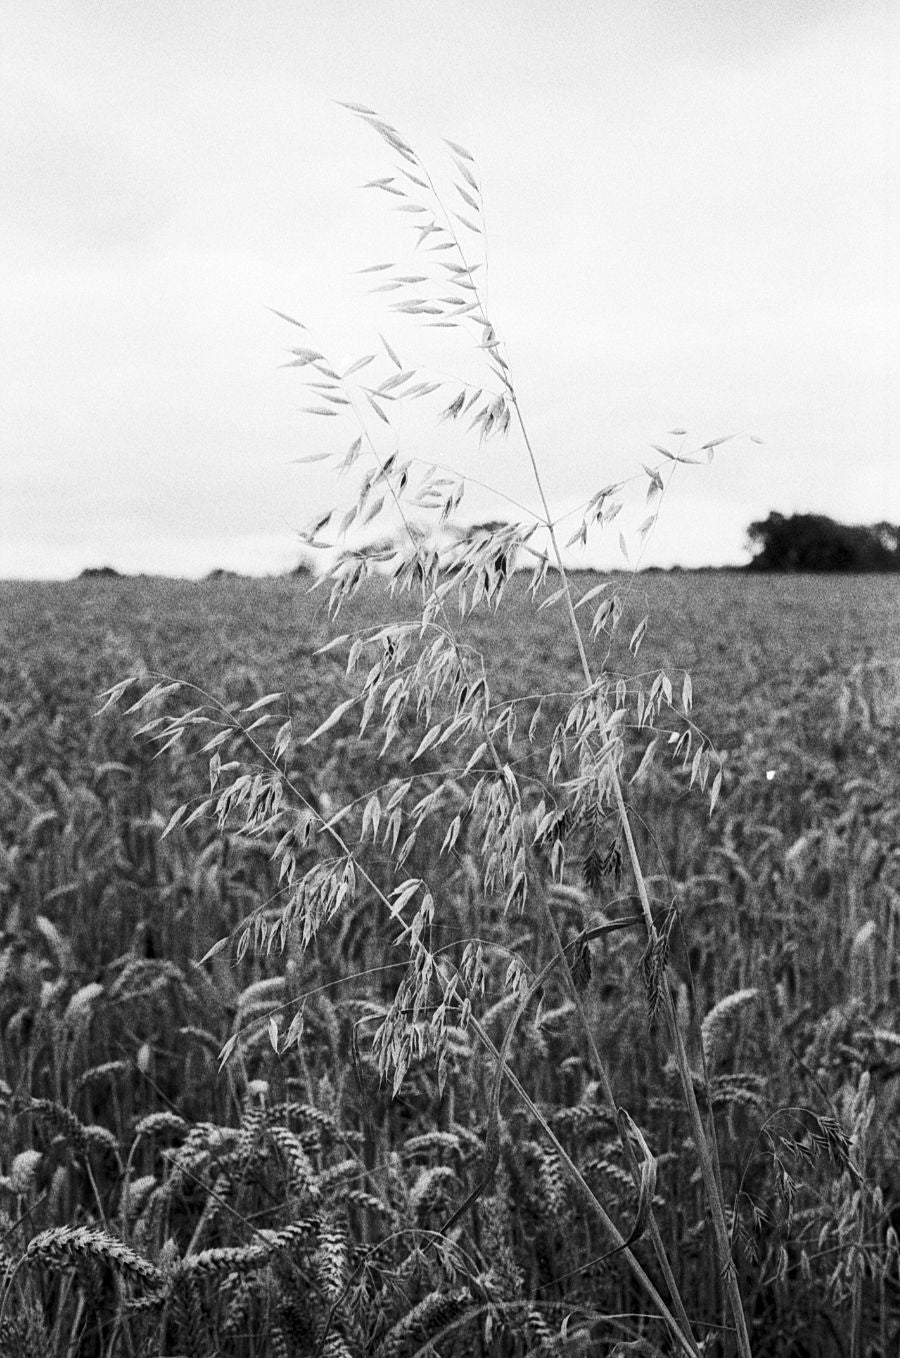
692, 212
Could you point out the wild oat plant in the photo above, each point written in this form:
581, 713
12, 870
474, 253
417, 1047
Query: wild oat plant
581, 1160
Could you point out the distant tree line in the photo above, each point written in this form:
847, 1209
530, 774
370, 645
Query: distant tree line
798, 542
812, 542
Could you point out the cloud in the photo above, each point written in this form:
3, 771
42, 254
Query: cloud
76, 184
689, 216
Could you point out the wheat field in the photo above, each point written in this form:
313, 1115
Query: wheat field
289, 1203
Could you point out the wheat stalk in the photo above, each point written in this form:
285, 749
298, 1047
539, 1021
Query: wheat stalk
62, 1246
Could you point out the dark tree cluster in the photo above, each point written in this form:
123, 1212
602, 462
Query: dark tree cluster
100, 573
813, 542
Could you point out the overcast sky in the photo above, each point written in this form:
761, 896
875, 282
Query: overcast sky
692, 213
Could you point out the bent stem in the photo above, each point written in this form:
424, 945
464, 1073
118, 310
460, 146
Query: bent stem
707, 1157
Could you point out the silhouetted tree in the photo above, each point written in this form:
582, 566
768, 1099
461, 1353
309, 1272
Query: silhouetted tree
813, 542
